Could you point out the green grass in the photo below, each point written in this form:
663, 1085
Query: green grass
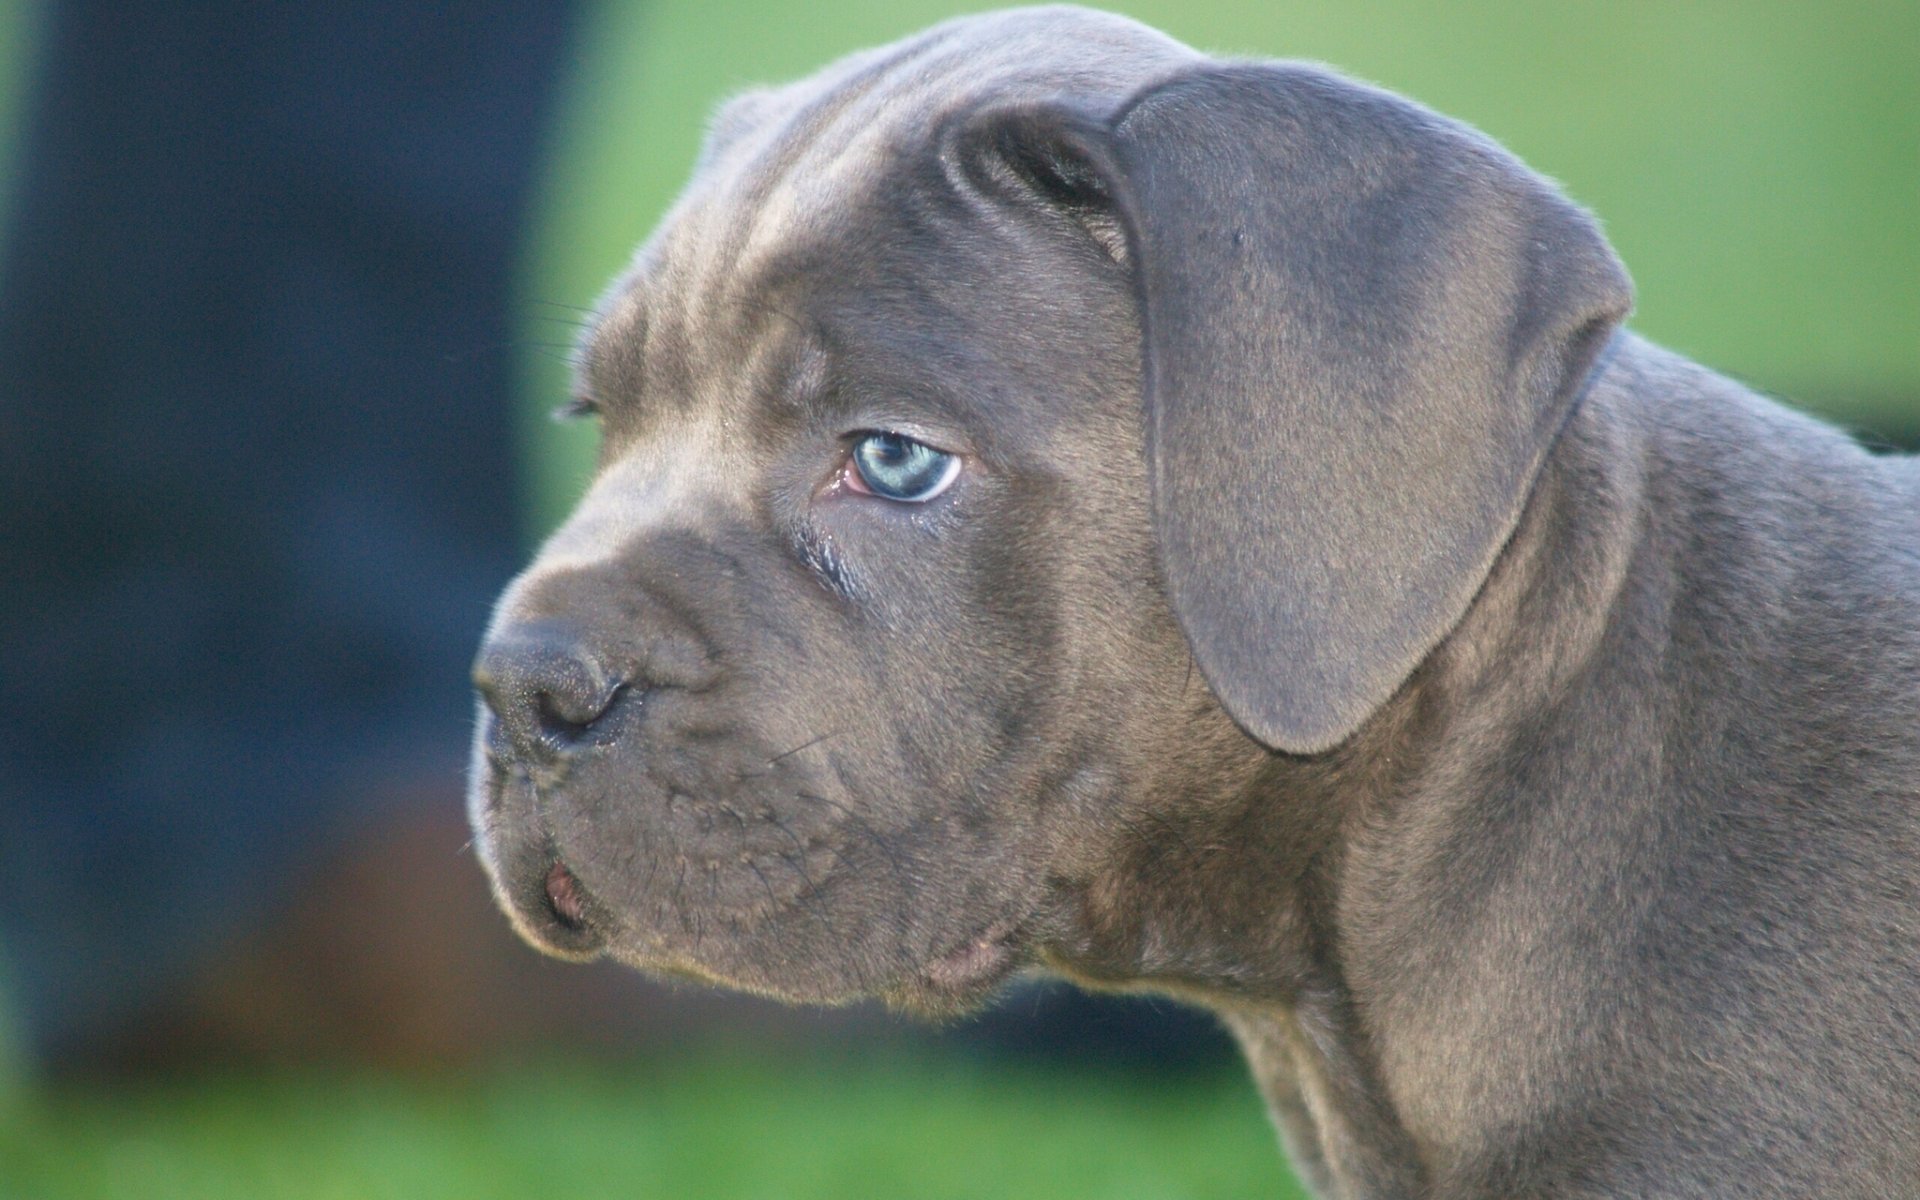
933, 1127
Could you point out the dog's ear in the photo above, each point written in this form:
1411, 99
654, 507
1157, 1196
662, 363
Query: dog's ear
1363, 326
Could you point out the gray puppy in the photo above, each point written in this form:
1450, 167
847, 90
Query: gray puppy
1187, 525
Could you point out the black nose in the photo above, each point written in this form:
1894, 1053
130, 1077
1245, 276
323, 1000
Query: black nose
544, 688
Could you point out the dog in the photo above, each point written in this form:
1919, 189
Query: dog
1070, 503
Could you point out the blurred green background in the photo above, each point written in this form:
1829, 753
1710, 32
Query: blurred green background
1758, 167
700, 1125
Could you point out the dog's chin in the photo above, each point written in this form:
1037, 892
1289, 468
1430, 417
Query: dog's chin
950, 985
953, 984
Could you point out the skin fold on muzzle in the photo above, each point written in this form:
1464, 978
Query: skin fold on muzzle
1070, 503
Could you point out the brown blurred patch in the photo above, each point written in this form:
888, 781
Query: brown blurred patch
390, 952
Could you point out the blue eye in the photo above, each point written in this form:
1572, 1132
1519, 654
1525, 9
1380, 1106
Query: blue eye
900, 468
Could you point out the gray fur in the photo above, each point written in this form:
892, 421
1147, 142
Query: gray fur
1511, 729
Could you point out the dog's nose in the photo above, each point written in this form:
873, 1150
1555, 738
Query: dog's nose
545, 690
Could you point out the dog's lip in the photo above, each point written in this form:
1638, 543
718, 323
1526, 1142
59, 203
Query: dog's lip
557, 913
564, 896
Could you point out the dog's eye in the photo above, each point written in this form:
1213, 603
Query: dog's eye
899, 468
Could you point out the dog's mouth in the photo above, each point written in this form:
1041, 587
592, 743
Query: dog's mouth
565, 898
758, 902
556, 913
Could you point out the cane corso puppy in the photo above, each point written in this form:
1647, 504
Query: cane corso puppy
1067, 502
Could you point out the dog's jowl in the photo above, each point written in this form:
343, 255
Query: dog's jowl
1070, 503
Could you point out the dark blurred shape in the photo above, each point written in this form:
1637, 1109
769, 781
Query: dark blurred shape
257, 493
390, 952
256, 465
1051, 1020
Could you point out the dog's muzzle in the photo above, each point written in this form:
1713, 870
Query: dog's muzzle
548, 701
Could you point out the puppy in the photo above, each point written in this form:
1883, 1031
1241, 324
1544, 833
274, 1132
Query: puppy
1067, 502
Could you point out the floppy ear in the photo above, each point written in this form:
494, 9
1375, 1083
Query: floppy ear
1363, 327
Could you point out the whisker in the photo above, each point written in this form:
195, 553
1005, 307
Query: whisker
802, 746
557, 319
773, 310
579, 308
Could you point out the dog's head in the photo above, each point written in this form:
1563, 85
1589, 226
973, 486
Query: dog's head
976, 391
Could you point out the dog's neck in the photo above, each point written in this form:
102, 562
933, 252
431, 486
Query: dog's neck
1437, 941
1257, 909
1247, 900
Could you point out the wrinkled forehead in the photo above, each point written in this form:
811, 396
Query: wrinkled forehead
792, 177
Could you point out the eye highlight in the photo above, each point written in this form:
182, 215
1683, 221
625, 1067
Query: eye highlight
896, 467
